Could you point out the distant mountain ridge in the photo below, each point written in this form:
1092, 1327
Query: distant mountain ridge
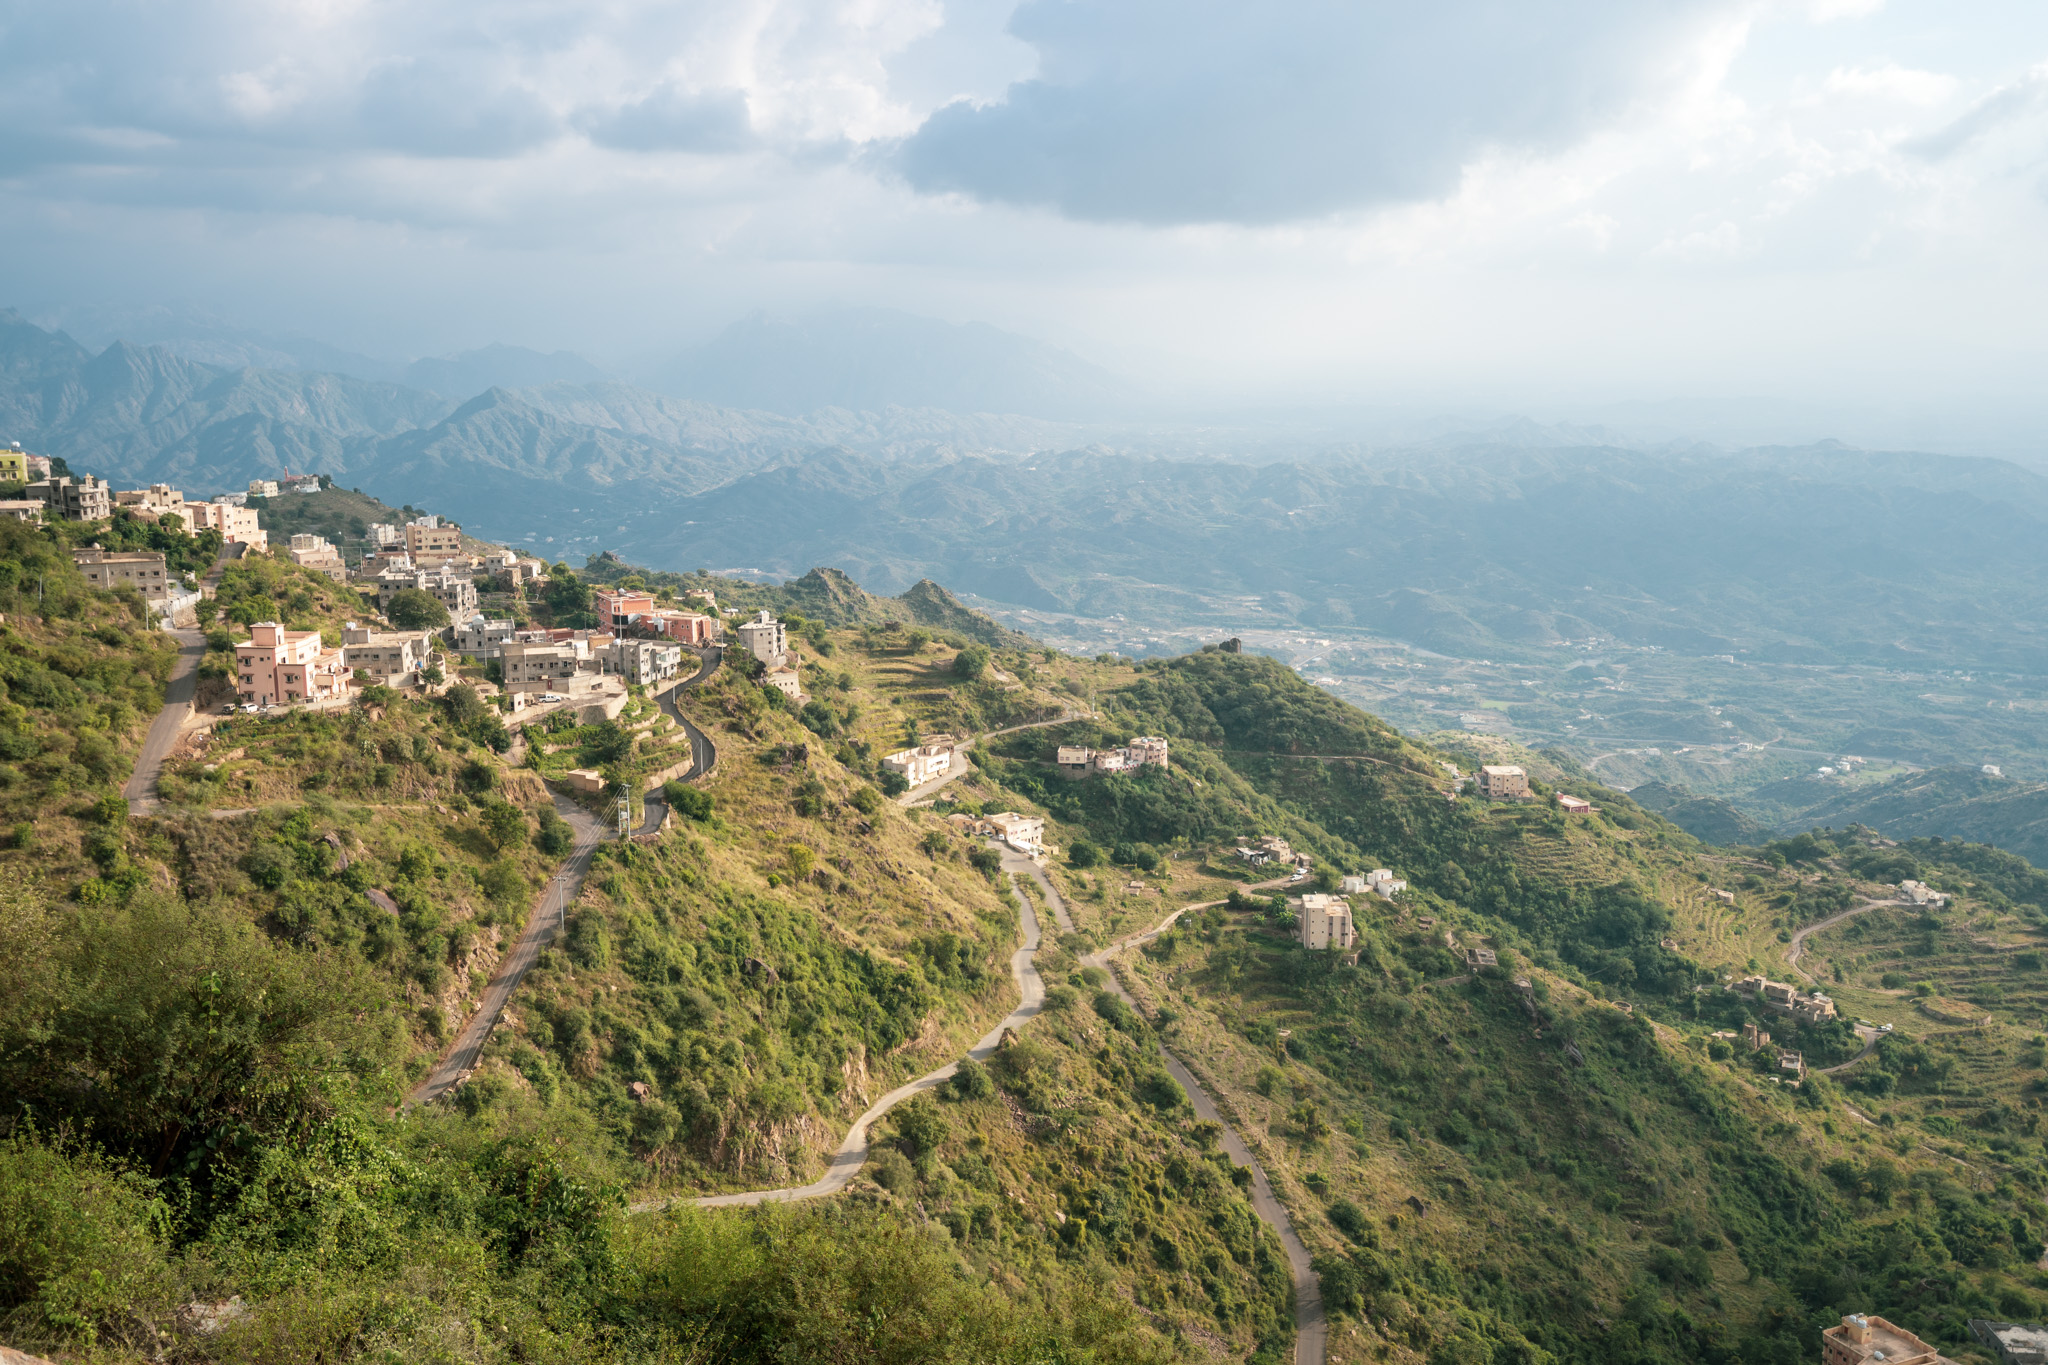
1958, 802
874, 359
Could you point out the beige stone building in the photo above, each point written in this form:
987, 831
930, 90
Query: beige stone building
1324, 921
1865, 1337
1503, 782
86, 499
392, 657
140, 569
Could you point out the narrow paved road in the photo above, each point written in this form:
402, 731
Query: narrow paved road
542, 924
961, 767
1797, 948
853, 1149
1311, 1329
179, 690
703, 753
1870, 1037
164, 730
1309, 1323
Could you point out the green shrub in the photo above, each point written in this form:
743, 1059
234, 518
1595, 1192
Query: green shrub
688, 802
970, 1081
81, 1242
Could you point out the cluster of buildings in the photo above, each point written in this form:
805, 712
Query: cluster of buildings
1269, 849
1920, 893
1076, 762
290, 483
630, 612
1380, 882
1780, 998
279, 667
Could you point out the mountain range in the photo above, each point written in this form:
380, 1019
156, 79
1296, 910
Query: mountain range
1817, 555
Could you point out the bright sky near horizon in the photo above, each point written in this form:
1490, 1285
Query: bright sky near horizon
1604, 199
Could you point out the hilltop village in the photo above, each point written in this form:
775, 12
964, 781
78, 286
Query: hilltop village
595, 963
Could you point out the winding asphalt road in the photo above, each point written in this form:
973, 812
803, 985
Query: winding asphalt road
542, 924
1311, 1327
1797, 948
703, 753
1309, 1323
853, 1149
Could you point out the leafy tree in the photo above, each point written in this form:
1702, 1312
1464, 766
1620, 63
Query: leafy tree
504, 822
985, 860
921, 1129
503, 882
554, 837
416, 609
971, 1081
1083, 853
194, 1025
801, 861
866, 800
971, 662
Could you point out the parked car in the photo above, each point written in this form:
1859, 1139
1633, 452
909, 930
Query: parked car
552, 696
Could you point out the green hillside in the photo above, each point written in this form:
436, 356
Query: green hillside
213, 1014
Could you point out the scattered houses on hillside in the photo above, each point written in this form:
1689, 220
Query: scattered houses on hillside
1920, 893
1076, 762
1781, 998
1266, 849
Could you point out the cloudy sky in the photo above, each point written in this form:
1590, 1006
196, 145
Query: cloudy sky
1512, 202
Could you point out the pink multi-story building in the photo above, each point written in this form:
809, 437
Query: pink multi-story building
615, 607
280, 666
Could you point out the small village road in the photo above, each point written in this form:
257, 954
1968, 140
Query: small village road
1311, 1327
853, 1149
543, 922
1870, 1036
179, 690
1797, 947
169, 723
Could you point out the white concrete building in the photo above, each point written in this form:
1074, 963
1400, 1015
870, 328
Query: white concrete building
921, 764
644, 661
766, 638
1025, 833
